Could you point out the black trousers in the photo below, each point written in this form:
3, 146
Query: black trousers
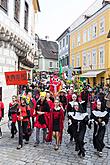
13, 128
98, 137
23, 131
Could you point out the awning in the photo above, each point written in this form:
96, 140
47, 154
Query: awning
92, 73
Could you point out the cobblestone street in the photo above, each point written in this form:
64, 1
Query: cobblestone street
44, 154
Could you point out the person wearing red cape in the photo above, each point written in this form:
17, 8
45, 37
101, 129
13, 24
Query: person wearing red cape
56, 125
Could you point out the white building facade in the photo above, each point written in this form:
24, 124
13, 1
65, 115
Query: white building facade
17, 40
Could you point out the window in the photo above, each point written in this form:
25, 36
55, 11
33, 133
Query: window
60, 45
88, 58
78, 40
84, 36
94, 31
63, 42
88, 34
51, 64
17, 10
78, 60
26, 11
56, 64
101, 55
94, 57
73, 60
67, 40
73, 44
102, 26
84, 59
4, 4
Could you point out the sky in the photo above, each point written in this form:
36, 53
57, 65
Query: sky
57, 15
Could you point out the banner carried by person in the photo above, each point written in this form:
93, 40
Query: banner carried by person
16, 78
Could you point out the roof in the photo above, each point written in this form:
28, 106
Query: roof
49, 49
94, 8
64, 33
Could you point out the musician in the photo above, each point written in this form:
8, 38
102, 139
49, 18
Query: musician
100, 119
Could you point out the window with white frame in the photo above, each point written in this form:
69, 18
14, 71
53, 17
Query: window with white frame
88, 34
51, 64
94, 55
88, 58
78, 39
84, 59
63, 42
60, 44
67, 40
101, 55
78, 60
72, 60
4, 4
56, 64
73, 43
94, 31
102, 26
17, 10
84, 36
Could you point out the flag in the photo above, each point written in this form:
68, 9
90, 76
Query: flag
60, 70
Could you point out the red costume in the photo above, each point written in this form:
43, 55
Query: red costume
1, 110
55, 85
42, 119
51, 104
13, 107
55, 115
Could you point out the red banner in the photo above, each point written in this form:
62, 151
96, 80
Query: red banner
16, 78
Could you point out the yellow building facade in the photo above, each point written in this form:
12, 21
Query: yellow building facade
90, 47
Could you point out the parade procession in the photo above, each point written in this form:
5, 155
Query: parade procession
54, 83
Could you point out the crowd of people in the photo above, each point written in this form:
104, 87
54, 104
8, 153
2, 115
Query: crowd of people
36, 108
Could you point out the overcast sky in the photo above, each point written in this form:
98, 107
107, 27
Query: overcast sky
57, 15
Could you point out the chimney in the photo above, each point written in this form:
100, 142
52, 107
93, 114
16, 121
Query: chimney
47, 38
105, 2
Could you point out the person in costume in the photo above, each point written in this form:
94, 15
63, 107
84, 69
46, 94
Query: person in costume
55, 85
42, 112
69, 95
63, 100
23, 117
100, 119
32, 104
56, 124
84, 97
79, 119
12, 114
70, 108
51, 104
1, 114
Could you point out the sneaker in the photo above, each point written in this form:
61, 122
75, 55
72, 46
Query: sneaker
36, 144
100, 154
19, 147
